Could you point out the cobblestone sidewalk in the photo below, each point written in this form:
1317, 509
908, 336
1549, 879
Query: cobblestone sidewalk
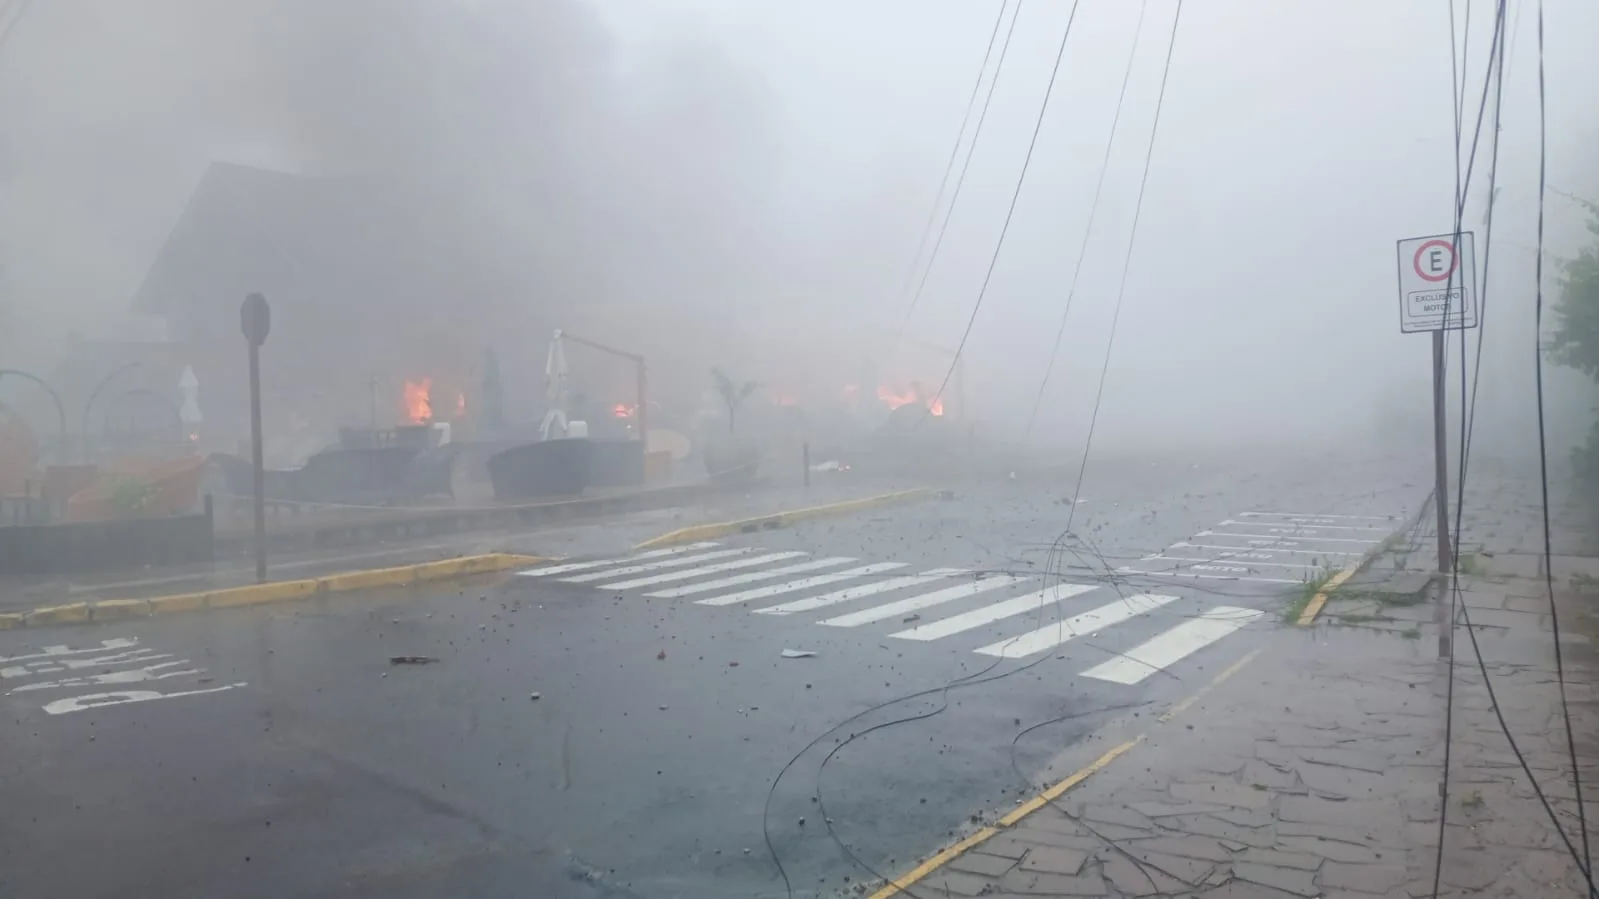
1315, 771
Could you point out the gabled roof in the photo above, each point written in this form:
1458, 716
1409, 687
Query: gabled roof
247, 229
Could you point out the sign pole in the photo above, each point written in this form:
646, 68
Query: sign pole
1441, 492
258, 474
255, 320
1437, 293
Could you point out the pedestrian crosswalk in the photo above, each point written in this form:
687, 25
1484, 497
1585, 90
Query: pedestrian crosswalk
1027, 614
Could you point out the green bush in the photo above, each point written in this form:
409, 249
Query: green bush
130, 496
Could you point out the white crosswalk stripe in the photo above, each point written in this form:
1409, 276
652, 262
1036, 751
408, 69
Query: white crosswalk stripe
923, 601
1163, 650
805, 583
652, 566
1039, 600
849, 593
701, 571
1052, 635
752, 577
586, 566
1034, 622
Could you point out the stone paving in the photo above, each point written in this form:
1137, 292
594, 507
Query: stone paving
1315, 771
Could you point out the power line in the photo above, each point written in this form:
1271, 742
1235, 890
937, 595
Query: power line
960, 181
1495, 76
1543, 460
954, 151
1093, 212
1132, 241
1021, 179
11, 19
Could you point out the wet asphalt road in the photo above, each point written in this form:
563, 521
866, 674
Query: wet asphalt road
276, 751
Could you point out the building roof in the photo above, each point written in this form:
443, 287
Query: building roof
319, 237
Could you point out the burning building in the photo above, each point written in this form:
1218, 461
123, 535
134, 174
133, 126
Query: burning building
369, 290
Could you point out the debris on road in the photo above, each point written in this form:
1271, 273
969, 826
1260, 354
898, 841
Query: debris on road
660, 656
909, 618
797, 654
411, 660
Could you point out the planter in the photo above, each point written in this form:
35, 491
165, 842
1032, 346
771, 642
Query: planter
549, 468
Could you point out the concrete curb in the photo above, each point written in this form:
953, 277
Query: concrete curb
408, 524
782, 519
1313, 608
257, 594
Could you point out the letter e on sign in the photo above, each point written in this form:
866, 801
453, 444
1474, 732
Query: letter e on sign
1435, 260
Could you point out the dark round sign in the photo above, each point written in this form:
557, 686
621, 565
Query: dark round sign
255, 319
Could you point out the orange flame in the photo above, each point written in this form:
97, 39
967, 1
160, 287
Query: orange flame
894, 399
460, 405
419, 401
622, 410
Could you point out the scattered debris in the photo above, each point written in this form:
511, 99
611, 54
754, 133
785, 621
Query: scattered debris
797, 654
909, 618
732, 664
660, 656
411, 660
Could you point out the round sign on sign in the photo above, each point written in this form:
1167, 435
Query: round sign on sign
1435, 260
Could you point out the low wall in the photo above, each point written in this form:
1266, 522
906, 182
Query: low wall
106, 545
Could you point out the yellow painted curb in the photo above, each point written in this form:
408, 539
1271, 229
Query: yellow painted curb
277, 591
920, 872
903, 883
781, 519
1313, 608
255, 594
44, 616
177, 602
119, 609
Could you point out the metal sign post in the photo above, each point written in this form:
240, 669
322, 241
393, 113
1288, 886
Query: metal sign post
1437, 293
255, 320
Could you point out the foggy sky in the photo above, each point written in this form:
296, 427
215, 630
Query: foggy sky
755, 176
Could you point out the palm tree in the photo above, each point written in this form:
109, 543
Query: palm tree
733, 394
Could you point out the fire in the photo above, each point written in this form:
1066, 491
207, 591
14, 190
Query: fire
622, 410
460, 405
894, 399
419, 401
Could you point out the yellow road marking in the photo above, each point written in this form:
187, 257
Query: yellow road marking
1313, 608
276, 591
1227, 672
780, 519
1015, 816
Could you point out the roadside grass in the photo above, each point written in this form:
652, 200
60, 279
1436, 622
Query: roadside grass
1299, 597
1381, 597
1471, 564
